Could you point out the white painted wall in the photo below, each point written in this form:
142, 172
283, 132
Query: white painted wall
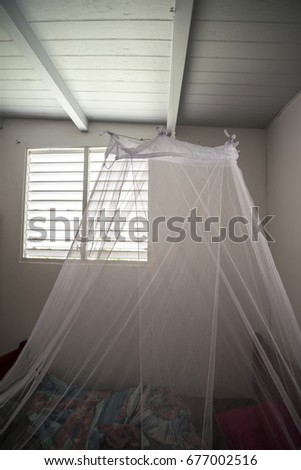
284, 197
25, 286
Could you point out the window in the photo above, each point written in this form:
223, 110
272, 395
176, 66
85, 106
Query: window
59, 183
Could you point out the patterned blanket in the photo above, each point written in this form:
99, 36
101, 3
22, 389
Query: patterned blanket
149, 417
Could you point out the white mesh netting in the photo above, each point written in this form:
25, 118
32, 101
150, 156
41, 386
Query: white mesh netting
189, 343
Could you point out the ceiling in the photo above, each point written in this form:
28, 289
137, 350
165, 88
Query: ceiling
230, 63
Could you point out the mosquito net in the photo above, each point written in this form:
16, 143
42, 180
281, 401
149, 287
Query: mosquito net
168, 326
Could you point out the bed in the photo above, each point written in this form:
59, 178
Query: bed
62, 417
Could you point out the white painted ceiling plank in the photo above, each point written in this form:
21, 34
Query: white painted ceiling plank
243, 31
15, 24
181, 29
118, 87
243, 66
252, 110
119, 105
121, 97
128, 115
283, 11
238, 90
95, 96
122, 76
22, 74
107, 47
94, 63
225, 100
3, 35
217, 120
244, 50
139, 30
95, 10
17, 84
47, 103
160, 64
258, 79
14, 63
8, 48
25, 94
33, 111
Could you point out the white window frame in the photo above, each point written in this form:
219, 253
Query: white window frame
85, 192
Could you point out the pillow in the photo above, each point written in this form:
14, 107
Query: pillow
8, 360
267, 425
264, 385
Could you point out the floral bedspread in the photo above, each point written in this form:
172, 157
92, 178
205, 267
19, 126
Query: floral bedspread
149, 417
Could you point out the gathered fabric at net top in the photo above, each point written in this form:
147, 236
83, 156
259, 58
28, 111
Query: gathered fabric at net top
188, 341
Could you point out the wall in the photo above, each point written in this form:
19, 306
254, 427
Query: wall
284, 196
252, 157
1, 221
25, 286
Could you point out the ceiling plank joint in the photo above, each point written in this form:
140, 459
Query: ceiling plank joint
16, 25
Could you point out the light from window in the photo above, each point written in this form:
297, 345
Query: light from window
59, 182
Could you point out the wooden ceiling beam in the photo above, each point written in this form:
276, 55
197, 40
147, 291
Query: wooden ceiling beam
181, 30
16, 25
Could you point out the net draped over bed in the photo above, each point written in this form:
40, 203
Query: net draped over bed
181, 350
